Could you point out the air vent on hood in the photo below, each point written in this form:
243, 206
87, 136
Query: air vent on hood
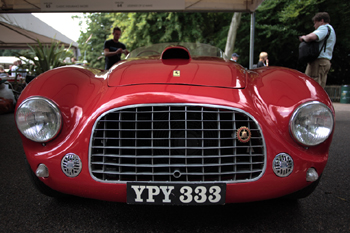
177, 52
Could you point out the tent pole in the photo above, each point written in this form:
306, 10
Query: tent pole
252, 36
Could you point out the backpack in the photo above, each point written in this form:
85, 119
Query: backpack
309, 51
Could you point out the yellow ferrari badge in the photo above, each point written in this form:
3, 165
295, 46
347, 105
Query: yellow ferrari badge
243, 134
176, 73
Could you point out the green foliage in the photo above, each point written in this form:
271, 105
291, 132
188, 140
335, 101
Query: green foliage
9, 52
147, 28
44, 57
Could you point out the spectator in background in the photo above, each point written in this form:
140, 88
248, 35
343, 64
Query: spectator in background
22, 72
234, 57
113, 49
2, 72
319, 68
14, 69
263, 59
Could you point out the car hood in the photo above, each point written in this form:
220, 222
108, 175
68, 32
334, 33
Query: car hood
214, 72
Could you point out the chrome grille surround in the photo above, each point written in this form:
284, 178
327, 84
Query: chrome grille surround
175, 143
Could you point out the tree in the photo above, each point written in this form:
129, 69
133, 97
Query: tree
232, 33
146, 28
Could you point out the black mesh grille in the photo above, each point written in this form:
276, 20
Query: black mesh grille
178, 143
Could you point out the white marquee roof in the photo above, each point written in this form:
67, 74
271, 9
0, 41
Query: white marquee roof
19, 30
9, 6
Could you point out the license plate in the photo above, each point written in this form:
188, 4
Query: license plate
176, 194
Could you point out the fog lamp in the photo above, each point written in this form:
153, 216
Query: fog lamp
311, 175
42, 171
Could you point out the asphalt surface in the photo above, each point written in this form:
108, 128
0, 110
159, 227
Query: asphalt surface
24, 209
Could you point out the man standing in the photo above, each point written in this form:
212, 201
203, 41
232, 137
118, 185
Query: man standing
319, 68
113, 49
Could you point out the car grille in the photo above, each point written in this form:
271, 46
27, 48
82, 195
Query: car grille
177, 143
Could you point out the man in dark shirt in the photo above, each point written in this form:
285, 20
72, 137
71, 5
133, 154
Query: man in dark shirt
113, 49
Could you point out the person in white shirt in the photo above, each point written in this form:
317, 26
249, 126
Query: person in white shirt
14, 68
319, 68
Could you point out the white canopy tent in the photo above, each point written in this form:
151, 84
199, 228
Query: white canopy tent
21, 30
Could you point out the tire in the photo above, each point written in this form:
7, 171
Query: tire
305, 192
40, 186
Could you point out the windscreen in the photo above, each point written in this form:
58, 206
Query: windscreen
195, 49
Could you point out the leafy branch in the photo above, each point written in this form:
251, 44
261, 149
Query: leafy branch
42, 58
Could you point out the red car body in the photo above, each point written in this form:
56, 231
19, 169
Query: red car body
268, 95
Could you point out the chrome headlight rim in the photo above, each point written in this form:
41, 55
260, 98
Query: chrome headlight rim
297, 111
51, 105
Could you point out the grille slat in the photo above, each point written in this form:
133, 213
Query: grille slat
162, 148
173, 156
163, 174
175, 165
197, 142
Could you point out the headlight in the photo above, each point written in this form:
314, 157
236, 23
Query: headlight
311, 123
38, 119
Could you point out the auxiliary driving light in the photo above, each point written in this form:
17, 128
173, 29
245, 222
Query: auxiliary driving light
311, 175
42, 171
283, 165
71, 165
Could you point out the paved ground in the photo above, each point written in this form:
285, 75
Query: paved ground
341, 107
23, 209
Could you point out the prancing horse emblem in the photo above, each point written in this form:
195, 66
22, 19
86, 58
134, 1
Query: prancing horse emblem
176, 73
243, 134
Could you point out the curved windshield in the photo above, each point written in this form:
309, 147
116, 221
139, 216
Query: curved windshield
195, 49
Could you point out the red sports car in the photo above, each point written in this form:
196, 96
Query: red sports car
175, 124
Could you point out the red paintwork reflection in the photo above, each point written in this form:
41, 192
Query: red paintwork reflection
215, 72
